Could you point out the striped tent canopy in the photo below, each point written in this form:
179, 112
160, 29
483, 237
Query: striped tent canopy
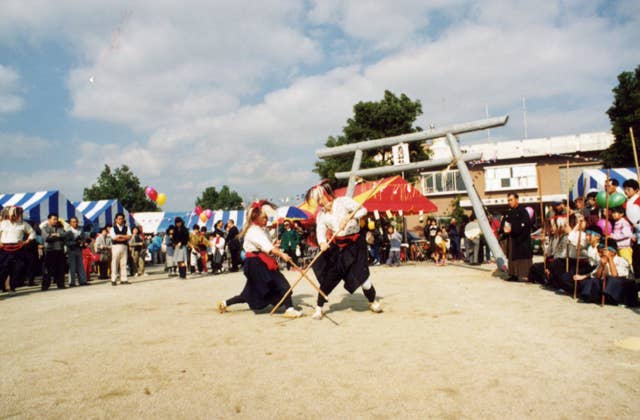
153, 222
38, 205
102, 212
595, 178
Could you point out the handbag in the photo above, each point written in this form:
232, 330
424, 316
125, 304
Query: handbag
217, 257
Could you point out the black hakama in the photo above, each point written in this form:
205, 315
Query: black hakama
349, 263
263, 287
618, 290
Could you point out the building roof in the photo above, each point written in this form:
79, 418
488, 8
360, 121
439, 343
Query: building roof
514, 149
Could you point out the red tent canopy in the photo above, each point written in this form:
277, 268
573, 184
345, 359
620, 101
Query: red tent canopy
394, 194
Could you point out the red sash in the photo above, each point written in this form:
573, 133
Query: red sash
270, 262
11, 247
344, 241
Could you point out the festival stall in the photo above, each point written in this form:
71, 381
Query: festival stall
392, 194
102, 212
153, 222
38, 205
593, 179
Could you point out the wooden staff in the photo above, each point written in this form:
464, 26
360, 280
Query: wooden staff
566, 259
606, 236
543, 226
635, 153
584, 194
303, 273
578, 246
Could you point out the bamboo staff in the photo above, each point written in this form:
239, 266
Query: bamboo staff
584, 194
606, 237
578, 246
303, 273
635, 153
566, 259
542, 221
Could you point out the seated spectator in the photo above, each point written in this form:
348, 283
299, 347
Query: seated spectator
610, 277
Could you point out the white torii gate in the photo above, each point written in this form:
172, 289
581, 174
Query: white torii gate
458, 158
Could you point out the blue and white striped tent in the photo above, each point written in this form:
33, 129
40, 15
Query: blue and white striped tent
38, 205
236, 215
102, 212
595, 178
153, 222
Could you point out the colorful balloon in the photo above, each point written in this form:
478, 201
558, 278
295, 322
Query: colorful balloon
617, 200
151, 193
203, 218
198, 210
605, 225
601, 199
161, 199
209, 213
530, 211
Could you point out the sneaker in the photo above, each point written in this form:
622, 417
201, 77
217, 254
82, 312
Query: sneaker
125, 282
222, 306
292, 313
319, 313
375, 307
113, 283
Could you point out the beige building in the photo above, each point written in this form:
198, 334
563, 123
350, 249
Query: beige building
512, 166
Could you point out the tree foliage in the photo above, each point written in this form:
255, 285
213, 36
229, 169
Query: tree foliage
225, 199
457, 212
121, 184
624, 113
391, 116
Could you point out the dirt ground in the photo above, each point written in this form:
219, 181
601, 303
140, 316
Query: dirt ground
453, 342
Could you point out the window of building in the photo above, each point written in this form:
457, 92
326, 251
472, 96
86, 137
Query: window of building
442, 182
498, 178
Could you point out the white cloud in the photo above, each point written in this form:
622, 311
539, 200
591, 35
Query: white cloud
10, 101
21, 146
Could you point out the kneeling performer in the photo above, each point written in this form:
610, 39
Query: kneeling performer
346, 257
265, 283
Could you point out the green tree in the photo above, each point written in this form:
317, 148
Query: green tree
225, 199
457, 212
391, 116
624, 113
123, 185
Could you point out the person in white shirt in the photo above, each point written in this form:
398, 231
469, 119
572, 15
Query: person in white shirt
265, 283
217, 244
120, 236
346, 257
14, 235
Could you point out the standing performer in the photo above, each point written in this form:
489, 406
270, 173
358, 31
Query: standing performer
345, 258
14, 234
265, 283
516, 229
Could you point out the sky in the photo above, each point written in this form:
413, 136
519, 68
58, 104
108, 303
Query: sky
202, 93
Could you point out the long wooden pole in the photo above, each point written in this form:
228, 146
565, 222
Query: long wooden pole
578, 250
606, 236
304, 272
635, 153
542, 221
567, 209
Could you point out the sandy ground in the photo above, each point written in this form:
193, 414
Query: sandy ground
454, 342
